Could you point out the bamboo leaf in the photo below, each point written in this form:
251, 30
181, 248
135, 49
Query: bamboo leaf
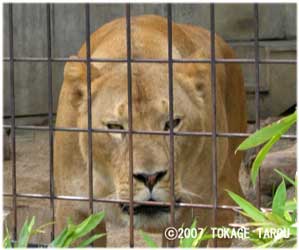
61, 238
291, 205
279, 200
276, 220
266, 133
25, 233
187, 242
7, 239
202, 236
148, 240
87, 242
287, 178
251, 210
260, 157
88, 225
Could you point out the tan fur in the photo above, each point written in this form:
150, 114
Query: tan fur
192, 103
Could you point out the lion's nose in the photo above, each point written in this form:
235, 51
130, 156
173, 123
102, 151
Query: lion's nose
150, 180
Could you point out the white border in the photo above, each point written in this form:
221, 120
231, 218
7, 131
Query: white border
153, 1
115, 1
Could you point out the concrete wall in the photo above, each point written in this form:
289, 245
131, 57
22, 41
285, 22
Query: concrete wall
234, 22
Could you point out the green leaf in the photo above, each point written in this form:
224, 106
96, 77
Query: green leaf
287, 216
59, 241
187, 242
87, 242
7, 239
287, 178
279, 199
40, 230
74, 232
69, 221
88, 225
25, 233
276, 219
251, 210
293, 229
70, 237
266, 133
202, 236
291, 205
260, 157
148, 240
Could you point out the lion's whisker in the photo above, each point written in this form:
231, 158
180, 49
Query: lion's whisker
185, 191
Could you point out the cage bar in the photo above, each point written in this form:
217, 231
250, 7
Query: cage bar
213, 134
214, 119
117, 201
89, 108
13, 124
130, 123
257, 91
50, 118
171, 132
141, 132
148, 60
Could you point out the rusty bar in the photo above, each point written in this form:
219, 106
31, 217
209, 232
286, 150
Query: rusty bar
50, 117
29, 115
214, 120
117, 201
13, 124
130, 121
171, 133
149, 60
89, 110
257, 90
141, 132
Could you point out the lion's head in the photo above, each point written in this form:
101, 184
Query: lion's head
150, 110
192, 112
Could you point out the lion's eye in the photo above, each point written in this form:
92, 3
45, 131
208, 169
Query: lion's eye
176, 122
115, 126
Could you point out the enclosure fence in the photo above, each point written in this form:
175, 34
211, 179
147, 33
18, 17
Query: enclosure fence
51, 128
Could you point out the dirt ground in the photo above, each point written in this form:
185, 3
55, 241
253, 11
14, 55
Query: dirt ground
32, 154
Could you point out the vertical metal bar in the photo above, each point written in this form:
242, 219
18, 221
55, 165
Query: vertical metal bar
50, 117
214, 119
13, 123
171, 134
89, 109
257, 87
130, 120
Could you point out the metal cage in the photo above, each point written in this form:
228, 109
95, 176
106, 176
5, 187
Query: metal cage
130, 131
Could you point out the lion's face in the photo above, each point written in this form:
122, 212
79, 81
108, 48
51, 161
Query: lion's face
150, 109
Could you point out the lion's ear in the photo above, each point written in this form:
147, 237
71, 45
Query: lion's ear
73, 70
78, 70
75, 73
195, 76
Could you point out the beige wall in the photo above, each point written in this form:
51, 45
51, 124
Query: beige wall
233, 21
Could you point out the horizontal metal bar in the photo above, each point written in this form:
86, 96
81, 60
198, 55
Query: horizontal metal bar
28, 115
141, 60
117, 201
141, 132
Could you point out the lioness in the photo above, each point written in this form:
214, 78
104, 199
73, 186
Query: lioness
192, 112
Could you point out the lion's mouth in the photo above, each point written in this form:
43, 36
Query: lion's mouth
146, 209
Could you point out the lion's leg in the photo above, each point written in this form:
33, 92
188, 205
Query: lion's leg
77, 212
